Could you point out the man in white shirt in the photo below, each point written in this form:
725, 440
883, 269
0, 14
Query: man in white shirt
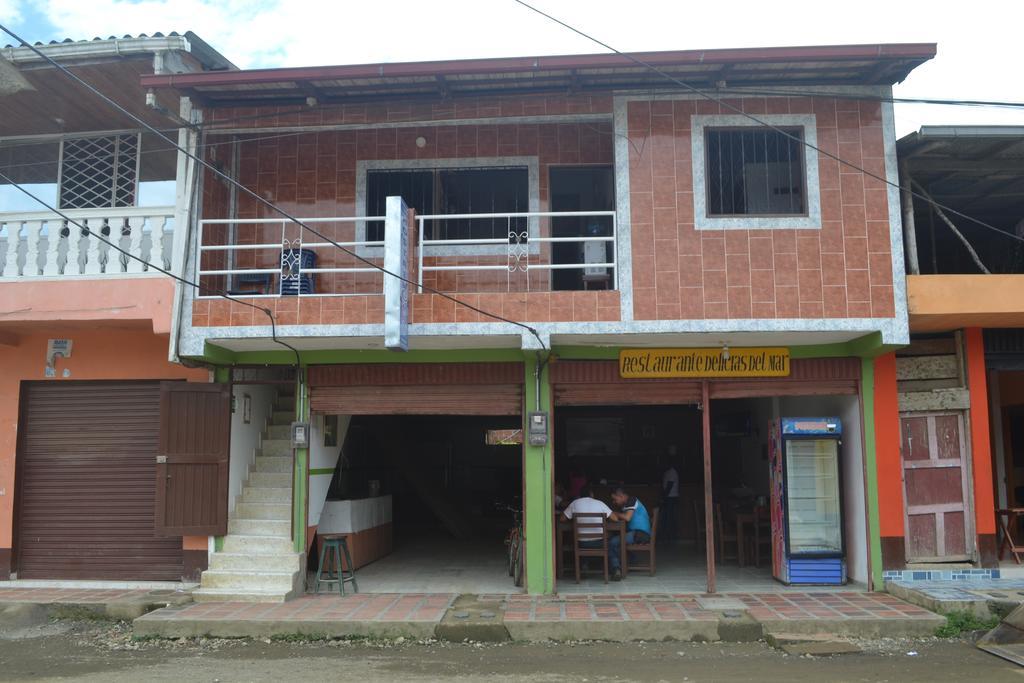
669, 501
588, 504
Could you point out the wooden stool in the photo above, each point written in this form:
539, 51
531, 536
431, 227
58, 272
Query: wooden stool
338, 571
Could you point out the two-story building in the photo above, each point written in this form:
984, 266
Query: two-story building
84, 328
654, 270
951, 404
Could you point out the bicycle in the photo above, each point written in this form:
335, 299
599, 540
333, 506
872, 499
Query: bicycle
515, 542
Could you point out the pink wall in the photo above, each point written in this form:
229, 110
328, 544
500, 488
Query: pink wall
99, 352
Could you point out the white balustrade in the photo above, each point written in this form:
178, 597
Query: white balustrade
43, 244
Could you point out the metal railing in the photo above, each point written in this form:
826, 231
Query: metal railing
287, 259
42, 244
523, 250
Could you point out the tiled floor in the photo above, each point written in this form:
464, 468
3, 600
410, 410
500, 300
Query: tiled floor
431, 565
831, 606
370, 607
971, 589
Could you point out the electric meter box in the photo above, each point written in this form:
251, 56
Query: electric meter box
538, 429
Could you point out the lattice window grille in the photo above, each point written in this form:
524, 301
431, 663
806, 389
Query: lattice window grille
100, 172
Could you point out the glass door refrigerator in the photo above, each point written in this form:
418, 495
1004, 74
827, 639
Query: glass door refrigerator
806, 501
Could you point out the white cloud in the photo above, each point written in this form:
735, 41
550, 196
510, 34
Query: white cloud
975, 51
10, 11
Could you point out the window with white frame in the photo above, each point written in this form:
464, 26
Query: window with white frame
750, 176
88, 172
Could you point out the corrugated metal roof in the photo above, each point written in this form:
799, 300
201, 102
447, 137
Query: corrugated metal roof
795, 66
113, 46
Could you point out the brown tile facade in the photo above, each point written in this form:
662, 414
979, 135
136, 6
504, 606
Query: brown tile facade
842, 270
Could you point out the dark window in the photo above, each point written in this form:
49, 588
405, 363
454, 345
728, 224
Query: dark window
453, 191
754, 172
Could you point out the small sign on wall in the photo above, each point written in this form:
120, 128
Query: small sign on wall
396, 289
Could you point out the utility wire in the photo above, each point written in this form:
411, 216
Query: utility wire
795, 138
151, 266
270, 205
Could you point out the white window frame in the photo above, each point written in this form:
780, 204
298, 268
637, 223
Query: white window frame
810, 221
531, 163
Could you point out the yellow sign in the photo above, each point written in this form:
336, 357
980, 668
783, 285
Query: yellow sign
719, 362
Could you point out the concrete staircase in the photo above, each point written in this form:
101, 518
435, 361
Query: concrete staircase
257, 562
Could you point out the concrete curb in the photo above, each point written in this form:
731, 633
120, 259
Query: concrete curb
620, 631
917, 627
269, 628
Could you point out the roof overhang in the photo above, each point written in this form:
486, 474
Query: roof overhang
41, 100
790, 66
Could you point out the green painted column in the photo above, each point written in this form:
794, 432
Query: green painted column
221, 375
867, 391
538, 480
300, 469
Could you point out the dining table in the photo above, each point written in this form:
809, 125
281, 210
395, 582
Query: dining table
563, 526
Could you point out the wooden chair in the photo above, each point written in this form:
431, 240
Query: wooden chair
727, 535
646, 548
762, 535
700, 536
588, 527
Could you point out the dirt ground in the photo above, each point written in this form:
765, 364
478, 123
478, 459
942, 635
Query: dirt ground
99, 651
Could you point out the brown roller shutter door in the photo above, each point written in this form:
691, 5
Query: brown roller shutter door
86, 473
418, 389
597, 383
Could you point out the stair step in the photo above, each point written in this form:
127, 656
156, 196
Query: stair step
235, 595
257, 545
272, 463
255, 562
260, 527
247, 579
269, 480
266, 494
282, 403
279, 432
282, 417
268, 511
276, 447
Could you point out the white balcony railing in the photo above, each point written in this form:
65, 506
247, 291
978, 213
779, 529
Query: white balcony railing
526, 246
237, 255
42, 244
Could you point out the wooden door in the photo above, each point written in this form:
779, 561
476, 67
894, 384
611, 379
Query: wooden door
936, 487
192, 459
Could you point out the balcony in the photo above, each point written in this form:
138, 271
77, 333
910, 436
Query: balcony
480, 253
44, 245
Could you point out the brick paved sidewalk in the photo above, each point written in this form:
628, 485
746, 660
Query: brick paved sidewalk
609, 617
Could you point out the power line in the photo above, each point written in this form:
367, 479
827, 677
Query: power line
152, 266
216, 171
794, 138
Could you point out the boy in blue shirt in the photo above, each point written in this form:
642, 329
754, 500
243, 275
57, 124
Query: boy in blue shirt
638, 527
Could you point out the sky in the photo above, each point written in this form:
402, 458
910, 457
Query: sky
978, 54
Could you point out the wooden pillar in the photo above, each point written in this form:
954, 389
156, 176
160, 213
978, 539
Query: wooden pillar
909, 231
709, 506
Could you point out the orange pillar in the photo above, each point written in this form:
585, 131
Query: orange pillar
888, 464
981, 452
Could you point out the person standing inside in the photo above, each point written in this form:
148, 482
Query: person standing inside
669, 499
